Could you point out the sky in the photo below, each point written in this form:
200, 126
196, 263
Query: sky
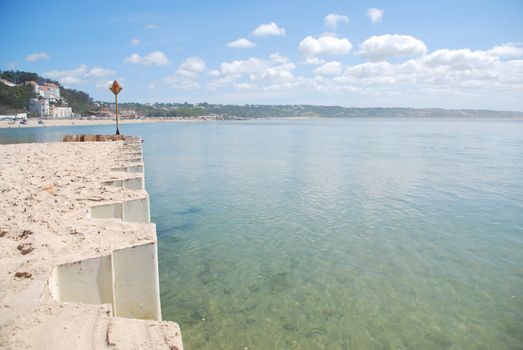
424, 54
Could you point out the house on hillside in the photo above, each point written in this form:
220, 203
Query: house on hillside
60, 112
40, 107
48, 91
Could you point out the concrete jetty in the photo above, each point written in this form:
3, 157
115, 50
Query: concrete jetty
89, 276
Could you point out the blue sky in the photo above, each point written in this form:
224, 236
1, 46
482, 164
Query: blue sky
449, 54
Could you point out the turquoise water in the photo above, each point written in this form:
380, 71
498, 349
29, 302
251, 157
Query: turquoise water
338, 234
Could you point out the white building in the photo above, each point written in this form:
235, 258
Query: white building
46, 90
50, 91
7, 82
39, 107
60, 112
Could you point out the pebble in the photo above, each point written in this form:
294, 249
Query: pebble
23, 275
25, 248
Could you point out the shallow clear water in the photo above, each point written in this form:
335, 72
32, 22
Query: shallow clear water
339, 234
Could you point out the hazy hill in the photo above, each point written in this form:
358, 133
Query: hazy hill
14, 99
284, 111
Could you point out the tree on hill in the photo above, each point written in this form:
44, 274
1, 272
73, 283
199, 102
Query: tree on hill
14, 99
78, 100
20, 77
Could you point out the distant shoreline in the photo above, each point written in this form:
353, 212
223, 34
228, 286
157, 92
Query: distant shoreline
33, 123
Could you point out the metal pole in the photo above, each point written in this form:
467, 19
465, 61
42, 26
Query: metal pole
116, 102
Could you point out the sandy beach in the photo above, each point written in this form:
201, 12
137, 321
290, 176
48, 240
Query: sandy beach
46, 192
33, 123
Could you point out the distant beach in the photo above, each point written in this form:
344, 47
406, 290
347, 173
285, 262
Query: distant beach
33, 123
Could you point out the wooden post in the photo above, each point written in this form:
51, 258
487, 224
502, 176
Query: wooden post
116, 102
116, 88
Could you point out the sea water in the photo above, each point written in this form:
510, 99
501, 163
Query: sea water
337, 233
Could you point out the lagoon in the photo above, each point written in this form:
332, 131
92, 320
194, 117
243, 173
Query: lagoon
336, 233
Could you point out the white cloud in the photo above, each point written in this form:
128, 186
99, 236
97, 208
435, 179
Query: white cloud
240, 67
37, 56
332, 20
437, 76
103, 85
326, 45
99, 72
187, 74
241, 44
279, 73
507, 50
70, 76
243, 86
254, 73
154, 58
134, 58
191, 67
375, 15
458, 59
276, 57
458, 71
214, 73
150, 26
377, 48
135, 41
269, 29
79, 75
333, 67
314, 61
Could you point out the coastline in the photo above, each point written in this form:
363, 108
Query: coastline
55, 238
33, 123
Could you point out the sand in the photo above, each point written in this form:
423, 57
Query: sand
33, 123
45, 192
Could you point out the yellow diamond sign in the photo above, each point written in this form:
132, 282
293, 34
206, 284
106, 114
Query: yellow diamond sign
115, 87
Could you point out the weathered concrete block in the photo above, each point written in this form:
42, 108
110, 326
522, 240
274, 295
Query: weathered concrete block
135, 169
132, 154
135, 183
112, 210
113, 183
127, 279
131, 160
136, 285
136, 210
86, 281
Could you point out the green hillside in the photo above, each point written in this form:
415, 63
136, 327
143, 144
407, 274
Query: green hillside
15, 99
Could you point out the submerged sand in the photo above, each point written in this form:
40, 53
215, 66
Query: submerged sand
46, 190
